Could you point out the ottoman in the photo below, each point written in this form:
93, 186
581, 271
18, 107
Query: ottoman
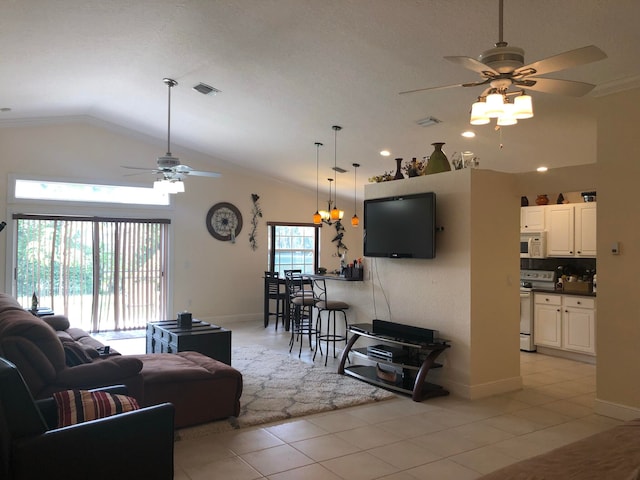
200, 388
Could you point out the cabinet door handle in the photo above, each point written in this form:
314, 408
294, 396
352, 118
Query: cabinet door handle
578, 303
579, 251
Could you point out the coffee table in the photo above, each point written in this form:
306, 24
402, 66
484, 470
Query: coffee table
210, 340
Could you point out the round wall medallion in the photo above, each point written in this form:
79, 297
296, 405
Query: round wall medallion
224, 221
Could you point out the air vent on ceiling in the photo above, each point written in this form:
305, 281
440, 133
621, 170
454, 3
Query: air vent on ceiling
338, 169
205, 89
428, 121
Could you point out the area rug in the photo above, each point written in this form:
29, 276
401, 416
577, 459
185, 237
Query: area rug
277, 386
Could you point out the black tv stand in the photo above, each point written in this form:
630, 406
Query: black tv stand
408, 373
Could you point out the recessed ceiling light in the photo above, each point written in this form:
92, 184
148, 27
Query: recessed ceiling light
542, 169
385, 153
468, 134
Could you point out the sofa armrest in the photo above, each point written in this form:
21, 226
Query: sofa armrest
57, 322
102, 371
132, 445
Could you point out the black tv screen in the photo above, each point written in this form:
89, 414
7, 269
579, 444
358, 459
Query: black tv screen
400, 227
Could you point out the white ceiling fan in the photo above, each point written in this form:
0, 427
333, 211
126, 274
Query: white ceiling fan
168, 167
503, 67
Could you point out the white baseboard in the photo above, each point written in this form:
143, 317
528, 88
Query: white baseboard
616, 410
474, 392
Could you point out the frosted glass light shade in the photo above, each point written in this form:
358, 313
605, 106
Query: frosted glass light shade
478, 115
495, 105
507, 118
523, 107
167, 186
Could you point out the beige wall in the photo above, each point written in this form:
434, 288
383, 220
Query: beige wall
469, 292
213, 279
618, 327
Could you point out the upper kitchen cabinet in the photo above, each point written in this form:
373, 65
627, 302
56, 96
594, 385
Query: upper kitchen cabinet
532, 219
571, 230
560, 228
585, 229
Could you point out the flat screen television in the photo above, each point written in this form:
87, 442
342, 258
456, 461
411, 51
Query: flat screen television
403, 226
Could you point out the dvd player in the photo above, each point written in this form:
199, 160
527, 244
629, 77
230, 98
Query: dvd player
386, 352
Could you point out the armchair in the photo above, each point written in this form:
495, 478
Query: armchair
132, 445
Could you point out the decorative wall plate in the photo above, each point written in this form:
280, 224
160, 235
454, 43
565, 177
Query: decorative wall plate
224, 221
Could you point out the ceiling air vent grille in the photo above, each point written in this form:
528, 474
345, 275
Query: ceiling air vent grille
428, 121
205, 89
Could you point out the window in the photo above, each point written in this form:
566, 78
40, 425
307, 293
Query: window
293, 247
87, 192
103, 273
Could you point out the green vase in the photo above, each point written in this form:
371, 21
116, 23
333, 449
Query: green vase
438, 161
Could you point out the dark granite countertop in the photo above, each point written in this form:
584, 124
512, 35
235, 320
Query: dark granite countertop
562, 292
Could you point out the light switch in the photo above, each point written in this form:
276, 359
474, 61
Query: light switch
615, 248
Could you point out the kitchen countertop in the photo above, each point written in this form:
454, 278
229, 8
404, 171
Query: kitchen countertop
562, 292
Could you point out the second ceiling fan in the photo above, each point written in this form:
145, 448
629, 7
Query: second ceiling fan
168, 168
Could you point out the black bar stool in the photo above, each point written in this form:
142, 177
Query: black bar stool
272, 291
323, 304
301, 301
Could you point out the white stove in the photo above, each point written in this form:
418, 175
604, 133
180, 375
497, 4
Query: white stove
530, 279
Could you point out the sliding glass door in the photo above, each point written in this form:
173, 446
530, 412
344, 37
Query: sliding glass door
103, 273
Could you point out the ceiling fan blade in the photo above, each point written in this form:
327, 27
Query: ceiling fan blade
473, 64
572, 58
187, 170
442, 87
204, 174
553, 85
137, 168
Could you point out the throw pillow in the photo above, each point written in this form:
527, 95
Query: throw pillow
77, 406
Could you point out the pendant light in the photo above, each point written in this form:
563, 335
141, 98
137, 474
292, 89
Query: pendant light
317, 218
336, 214
355, 221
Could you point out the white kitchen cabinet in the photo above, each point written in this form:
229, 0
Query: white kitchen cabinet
560, 230
532, 219
579, 324
566, 322
585, 229
547, 320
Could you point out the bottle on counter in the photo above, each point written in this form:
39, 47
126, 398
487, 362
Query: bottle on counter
594, 282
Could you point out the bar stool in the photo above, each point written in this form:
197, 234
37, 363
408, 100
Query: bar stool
323, 304
301, 302
272, 291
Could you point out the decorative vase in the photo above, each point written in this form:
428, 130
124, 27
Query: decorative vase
542, 200
399, 175
438, 161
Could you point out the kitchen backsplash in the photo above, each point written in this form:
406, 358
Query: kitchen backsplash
572, 266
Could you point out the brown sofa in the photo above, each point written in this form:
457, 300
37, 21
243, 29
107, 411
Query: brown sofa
201, 389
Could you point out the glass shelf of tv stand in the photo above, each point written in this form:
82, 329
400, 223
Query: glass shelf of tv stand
414, 371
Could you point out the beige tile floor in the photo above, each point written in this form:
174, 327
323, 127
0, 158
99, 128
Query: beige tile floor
446, 437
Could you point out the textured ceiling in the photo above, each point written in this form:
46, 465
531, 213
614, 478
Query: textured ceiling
290, 69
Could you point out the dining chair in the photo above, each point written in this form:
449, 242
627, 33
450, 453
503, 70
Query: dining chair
273, 291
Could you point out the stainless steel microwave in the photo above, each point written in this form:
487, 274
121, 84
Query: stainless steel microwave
533, 244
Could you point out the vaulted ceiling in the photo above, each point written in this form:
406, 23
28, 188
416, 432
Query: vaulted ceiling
290, 69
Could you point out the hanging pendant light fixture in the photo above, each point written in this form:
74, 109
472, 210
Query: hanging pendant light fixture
317, 217
355, 221
325, 215
336, 214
